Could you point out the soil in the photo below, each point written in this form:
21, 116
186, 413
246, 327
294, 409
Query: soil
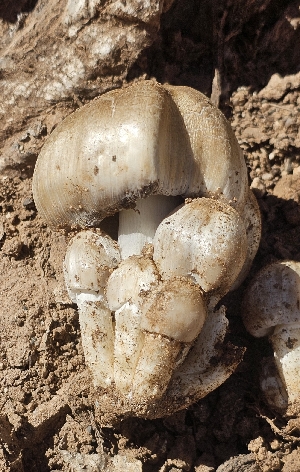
235, 53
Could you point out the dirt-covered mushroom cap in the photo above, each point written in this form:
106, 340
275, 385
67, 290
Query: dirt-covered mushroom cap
129, 143
205, 240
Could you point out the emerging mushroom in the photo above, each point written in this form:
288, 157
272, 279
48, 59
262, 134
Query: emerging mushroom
139, 152
271, 307
204, 240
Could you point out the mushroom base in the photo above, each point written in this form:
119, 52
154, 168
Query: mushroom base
111, 407
274, 390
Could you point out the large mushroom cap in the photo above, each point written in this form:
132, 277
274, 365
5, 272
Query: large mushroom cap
220, 164
132, 142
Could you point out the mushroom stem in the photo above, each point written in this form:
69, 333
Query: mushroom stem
137, 226
271, 308
173, 315
286, 345
155, 366
97, 337
128, 345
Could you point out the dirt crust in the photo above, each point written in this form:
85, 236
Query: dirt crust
54, 58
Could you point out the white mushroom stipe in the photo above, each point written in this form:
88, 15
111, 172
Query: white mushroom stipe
89, 259
272, 386
140, 151
97, 337
137, 226
286, 344
271, 307
127, 346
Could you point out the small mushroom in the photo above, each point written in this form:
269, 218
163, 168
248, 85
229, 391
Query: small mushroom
204, 240
156, 323
271, 307
89, 259
139, 152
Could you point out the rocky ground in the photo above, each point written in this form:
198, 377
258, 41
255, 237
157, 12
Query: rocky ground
55, 56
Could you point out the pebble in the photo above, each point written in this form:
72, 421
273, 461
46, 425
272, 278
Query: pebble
28, 203
257, 184
288, 165
267, 176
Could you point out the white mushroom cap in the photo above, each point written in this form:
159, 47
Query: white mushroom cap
205, 240
273, 298
127, 144
130, 143
88, 263
176, 309
135, 277
221, 168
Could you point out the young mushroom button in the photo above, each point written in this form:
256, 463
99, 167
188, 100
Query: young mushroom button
143, 140
204, 240
89, 259
145, 300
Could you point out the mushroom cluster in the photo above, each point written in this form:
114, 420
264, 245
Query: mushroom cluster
271, 307
167, 162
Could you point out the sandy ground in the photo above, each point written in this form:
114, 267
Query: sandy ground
47, 418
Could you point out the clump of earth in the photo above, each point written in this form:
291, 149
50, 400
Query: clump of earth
54, 58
